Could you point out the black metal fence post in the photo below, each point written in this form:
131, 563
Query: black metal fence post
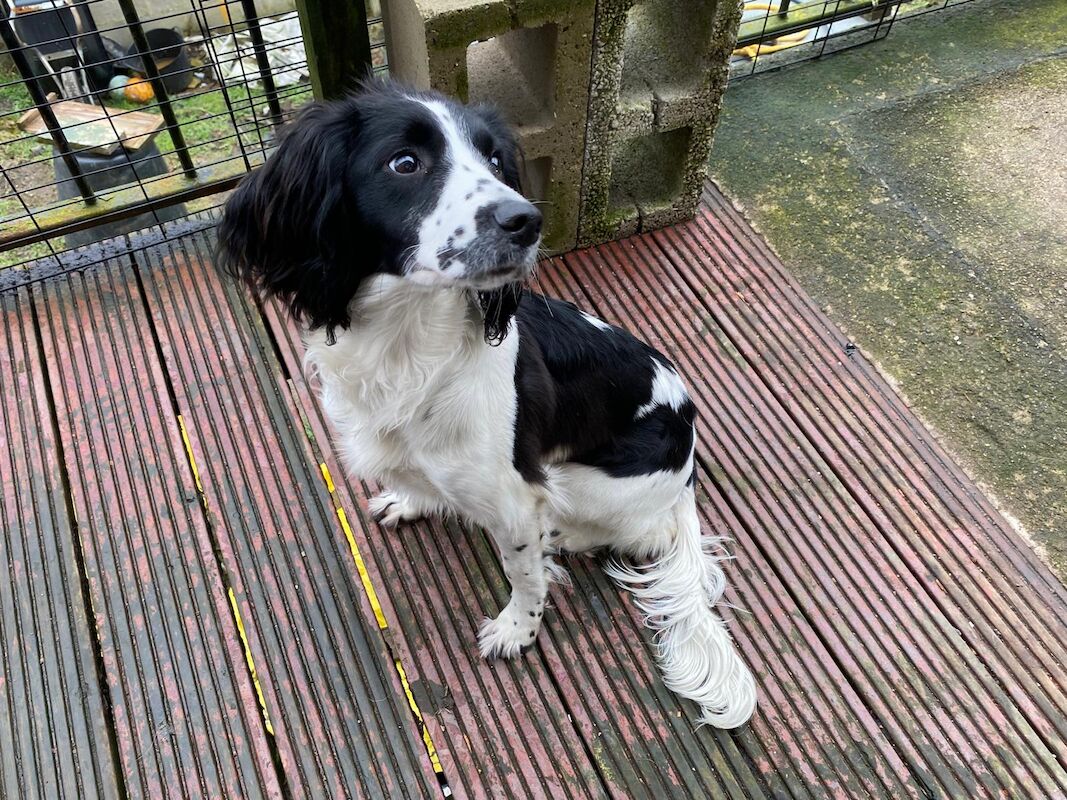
163, 98
337, 44
262, 63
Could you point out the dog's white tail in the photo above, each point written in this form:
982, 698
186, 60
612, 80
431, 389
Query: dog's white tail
676, 591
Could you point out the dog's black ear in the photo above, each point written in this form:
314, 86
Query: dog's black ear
290, 228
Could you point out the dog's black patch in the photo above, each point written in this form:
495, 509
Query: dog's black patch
498, 307
579, 389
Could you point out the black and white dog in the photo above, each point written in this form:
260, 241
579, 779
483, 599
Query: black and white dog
392, 224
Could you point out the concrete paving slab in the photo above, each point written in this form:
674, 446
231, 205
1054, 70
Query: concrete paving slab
916, 189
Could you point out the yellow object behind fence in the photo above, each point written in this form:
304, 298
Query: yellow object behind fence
781, 43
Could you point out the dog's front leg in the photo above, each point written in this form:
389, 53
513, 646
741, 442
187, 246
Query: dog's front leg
515, 628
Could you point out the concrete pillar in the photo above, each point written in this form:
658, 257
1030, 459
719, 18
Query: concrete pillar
615, 110
658, 73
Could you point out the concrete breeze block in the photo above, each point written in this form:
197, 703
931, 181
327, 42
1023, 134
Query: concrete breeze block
659, 70
528, 57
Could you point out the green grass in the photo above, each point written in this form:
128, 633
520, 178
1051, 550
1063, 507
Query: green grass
14, 100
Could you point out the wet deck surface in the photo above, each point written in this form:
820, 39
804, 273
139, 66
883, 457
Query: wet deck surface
196, 604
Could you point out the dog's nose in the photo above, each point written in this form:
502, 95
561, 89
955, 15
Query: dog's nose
520, 220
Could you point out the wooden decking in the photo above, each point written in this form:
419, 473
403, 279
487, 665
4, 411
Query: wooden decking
196, 605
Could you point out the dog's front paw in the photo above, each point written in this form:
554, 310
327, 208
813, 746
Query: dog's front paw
389, 508
512, 633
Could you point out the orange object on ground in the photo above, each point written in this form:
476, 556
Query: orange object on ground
139, 90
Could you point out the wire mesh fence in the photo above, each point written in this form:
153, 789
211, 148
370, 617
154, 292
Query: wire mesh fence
116, 115
777, 33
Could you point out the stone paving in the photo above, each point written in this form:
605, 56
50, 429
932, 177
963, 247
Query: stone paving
917, 188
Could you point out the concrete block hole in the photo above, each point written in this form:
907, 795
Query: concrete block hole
648, 171
665, 49
516, 71
538, 178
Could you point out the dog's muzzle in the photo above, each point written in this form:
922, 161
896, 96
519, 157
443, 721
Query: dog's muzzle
505, 248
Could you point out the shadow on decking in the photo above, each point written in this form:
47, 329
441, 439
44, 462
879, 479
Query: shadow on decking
198, 606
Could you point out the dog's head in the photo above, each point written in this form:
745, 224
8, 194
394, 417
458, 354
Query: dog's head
387, 180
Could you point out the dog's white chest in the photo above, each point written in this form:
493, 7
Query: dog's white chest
423, 394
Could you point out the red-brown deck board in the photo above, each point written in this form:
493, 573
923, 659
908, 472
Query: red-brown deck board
56, 742
185, 719
907, 643
846, 579
928, 527
333, 696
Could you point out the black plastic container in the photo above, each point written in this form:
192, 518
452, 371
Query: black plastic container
171, 57
105, 172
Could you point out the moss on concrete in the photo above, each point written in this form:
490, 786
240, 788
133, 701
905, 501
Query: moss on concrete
915, 187
983, 166
457, 24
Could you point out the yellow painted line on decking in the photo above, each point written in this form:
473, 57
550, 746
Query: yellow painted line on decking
329, 480
229, 589
383, 623
249, 660
192, 461
361, 567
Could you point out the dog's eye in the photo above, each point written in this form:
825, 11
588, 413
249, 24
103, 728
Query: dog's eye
494, 162
404, 164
